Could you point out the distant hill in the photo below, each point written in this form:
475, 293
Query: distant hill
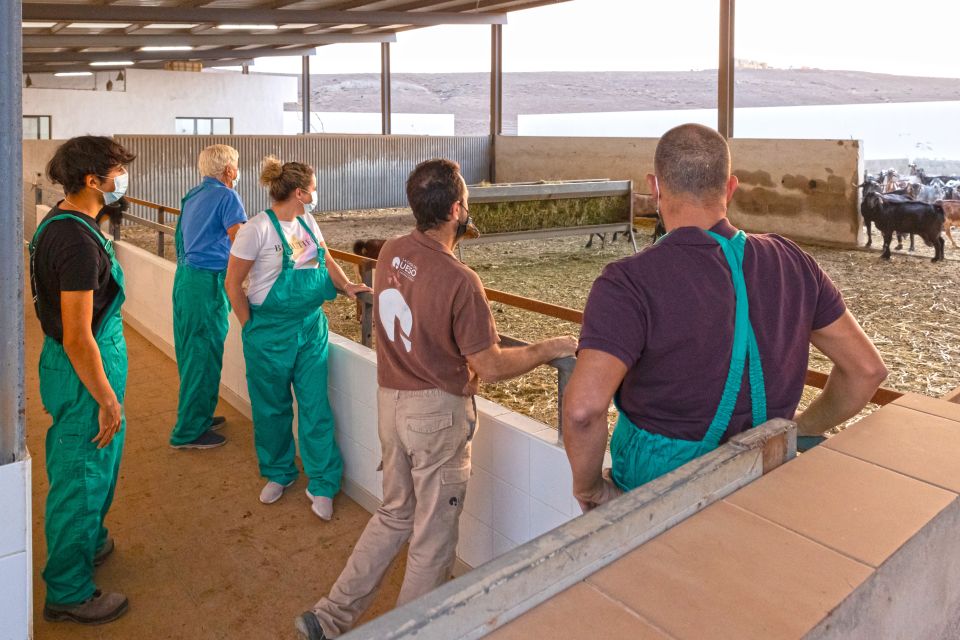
467, 95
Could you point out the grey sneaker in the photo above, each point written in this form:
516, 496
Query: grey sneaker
100, 609
309, 627
103, 552
207, 440
217, 423
272, 491
322, 506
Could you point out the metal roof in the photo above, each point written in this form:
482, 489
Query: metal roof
69, 35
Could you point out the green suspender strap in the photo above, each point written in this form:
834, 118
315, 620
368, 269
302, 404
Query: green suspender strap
640, 456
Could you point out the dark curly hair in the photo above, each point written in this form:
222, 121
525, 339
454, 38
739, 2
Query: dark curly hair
80, 157
432, 188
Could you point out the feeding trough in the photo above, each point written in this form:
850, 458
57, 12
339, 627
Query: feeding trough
546, 209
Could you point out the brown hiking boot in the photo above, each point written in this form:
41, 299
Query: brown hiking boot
101, 608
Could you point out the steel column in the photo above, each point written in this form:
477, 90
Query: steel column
496, 93
305, 90
12, 435
386, 108
726, 70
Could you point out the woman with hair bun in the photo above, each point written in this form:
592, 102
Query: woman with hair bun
291, 274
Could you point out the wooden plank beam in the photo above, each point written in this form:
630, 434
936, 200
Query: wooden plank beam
138, 13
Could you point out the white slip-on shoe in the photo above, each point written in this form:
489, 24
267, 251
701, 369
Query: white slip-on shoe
321, 505
272, 491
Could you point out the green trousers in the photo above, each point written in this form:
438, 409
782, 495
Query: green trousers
82, 477
282, 353
200, 323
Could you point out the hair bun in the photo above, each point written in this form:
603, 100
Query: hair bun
270, 170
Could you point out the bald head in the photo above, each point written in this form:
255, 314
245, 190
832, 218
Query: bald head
693, 159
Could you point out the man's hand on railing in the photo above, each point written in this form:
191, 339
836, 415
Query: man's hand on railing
604, 490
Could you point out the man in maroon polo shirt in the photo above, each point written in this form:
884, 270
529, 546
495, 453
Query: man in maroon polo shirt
658, 329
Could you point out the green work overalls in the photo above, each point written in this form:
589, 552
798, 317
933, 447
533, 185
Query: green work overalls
640, 456
201, 319
82, 477
284, 344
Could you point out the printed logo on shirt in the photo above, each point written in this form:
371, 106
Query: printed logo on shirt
300, 248
404, 267
393, 309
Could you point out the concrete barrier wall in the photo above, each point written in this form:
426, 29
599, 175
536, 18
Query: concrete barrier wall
802, 189
521, 482
16, 551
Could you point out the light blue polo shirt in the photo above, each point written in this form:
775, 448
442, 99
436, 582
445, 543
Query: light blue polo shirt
209, 209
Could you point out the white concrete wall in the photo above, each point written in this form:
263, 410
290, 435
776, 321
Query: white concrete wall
521, 483
16, 552
154, 99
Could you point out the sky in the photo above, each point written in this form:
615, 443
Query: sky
640, 35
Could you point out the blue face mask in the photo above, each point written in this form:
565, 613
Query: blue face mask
120, 183
308, 207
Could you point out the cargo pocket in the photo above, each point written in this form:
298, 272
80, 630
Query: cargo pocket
453, 491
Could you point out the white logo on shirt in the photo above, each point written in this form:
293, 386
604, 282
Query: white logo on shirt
404, 266
392, 307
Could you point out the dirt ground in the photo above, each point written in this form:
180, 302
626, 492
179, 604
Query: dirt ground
907, 306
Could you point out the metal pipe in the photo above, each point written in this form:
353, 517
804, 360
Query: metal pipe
386, 108
496, 94
726, 70
305, 90
12, 434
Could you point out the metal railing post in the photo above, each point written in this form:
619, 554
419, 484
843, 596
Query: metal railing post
564, 371
160, 234
366, 318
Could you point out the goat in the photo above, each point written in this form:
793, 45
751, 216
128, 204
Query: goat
925, 220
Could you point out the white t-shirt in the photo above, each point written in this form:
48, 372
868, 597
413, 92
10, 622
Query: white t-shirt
257, 240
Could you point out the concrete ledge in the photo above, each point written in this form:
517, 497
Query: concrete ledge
505, 588
915, 594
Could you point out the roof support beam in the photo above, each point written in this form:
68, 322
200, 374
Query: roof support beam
231, 39
726, 70
58, 68
129, 13
386, 109
12, 433
305, 99
208, 54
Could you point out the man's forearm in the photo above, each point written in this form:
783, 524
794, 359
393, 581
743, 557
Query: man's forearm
842, 397
515, 361
585, 442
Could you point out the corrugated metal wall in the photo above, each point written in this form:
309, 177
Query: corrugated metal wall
353, 171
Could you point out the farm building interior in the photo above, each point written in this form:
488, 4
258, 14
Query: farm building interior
853, 539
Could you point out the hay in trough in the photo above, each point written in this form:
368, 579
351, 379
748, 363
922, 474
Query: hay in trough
530, 215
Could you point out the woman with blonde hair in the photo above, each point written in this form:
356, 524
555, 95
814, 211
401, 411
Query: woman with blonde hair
291, 274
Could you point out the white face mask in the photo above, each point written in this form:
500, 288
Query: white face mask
237, 179
120, 183
308, 207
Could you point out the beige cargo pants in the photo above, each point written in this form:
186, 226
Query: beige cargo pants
425, 437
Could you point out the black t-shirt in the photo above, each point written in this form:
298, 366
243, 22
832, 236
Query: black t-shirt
69, 258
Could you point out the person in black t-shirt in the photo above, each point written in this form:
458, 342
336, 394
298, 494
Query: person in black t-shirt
78, 290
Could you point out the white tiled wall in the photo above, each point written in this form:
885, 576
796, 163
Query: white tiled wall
16, 573
521, 481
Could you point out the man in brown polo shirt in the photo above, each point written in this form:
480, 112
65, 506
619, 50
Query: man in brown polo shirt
436, 339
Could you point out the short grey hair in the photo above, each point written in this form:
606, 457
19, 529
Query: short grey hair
693, 159
213, 160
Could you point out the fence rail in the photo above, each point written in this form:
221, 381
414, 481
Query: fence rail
564, 366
